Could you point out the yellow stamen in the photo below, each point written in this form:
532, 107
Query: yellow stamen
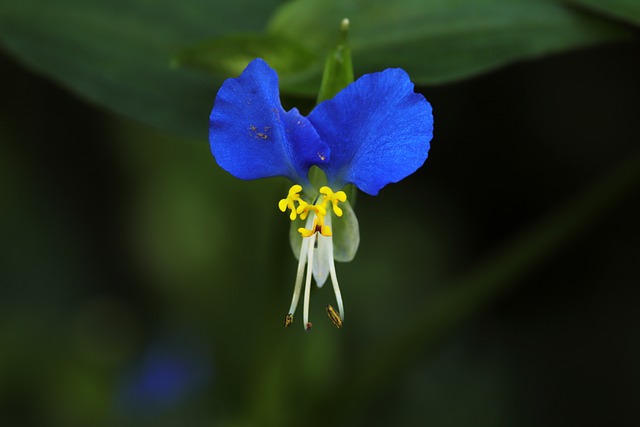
334, 198
288, 203
319, 209
318, 225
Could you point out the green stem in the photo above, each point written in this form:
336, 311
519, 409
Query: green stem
338, 68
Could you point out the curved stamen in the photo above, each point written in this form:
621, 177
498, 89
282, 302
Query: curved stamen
334, 279
336, 288
298, 284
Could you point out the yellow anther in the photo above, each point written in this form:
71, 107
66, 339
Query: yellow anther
319, 209
304, 208
306, 233
318, 221
288, 203
334, 198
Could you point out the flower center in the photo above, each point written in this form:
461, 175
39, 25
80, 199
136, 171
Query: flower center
319, 208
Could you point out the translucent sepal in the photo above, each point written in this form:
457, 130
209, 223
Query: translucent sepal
346, 234
295, 239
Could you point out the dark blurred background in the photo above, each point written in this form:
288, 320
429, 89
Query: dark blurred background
142, 285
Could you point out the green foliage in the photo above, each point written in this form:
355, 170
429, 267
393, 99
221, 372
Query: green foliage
117, 53
228, 55
625, 10
442, 40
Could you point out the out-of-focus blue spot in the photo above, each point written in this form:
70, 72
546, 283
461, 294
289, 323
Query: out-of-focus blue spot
167, 375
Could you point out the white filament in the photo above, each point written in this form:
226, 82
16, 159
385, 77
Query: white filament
300, 273
307, 287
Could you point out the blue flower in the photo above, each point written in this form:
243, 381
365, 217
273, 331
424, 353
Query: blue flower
375, 131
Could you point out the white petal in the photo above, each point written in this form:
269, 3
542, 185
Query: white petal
323, 255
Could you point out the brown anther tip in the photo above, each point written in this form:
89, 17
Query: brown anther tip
288, 320
334, 316
308, 326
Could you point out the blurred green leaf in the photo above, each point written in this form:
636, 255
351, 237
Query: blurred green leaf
229, 55
441, 40
117, 53
625, 10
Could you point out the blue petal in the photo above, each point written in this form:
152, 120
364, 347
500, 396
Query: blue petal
251, 135
378, 131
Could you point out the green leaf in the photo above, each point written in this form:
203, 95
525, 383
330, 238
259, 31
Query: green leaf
338, 68
117, 53
441, 40
228, 55
625, 10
